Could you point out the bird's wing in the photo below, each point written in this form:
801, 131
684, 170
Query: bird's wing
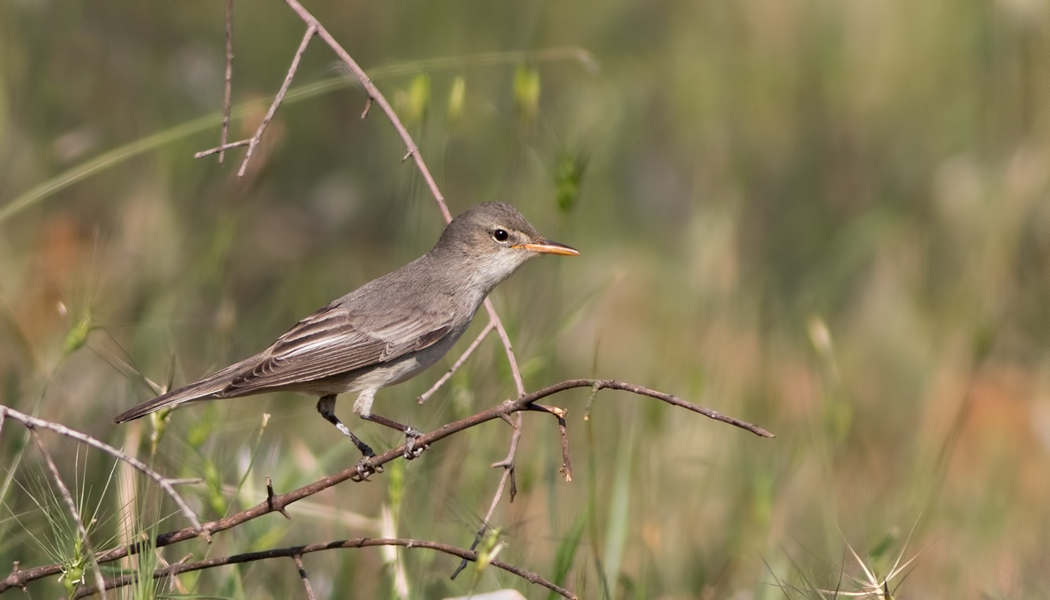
334, 340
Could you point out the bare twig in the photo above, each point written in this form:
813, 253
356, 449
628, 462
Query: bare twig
559, 414
165, 483
222, 148
295, 551
254, 140
507, 348
298, 558
507, 464
377, 97
459, 363
71, 506
228, 93
307, 36
269, 499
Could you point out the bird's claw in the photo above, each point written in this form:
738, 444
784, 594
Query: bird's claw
366, 469
411, 450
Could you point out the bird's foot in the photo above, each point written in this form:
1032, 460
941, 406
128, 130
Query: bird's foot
411, 450
365, 469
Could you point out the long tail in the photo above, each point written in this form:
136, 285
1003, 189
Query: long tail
204, 389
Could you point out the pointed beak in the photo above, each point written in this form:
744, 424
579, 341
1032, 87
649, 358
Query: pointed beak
549, 247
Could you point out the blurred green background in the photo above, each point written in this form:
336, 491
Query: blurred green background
828, 218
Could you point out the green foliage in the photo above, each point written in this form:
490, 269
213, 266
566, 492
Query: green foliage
457, 98
565, 557
568, 176
412, 103
64, 543
78, 334
527, 92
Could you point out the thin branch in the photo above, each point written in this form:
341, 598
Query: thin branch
507, 464
165, 483
378, 98
255, 139
71, 505
222, 148
298, 558
507, 348
459, 363
295, 551
307, 36
228, 94
559, 414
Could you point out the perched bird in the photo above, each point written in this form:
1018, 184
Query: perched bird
385, 331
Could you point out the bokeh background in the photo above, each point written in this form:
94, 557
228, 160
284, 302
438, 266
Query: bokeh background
828, 218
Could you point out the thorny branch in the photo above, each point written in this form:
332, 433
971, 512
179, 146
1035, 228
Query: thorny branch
228, 87
277, 502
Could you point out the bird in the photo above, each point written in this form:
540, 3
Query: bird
384, 332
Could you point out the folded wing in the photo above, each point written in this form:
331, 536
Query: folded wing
334, 341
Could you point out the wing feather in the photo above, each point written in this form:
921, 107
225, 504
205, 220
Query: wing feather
334, 341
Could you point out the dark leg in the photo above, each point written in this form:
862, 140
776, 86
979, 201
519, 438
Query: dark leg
411, 434
326, 406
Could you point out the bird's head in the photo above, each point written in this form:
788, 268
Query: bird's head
491, 241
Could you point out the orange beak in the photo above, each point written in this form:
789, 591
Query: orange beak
549, 247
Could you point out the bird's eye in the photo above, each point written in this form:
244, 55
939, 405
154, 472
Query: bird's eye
500, 235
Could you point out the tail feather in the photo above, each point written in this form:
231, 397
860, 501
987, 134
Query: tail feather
204, 389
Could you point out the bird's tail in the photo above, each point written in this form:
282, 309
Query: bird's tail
204, 389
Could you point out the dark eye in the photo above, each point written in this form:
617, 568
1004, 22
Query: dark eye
500, 235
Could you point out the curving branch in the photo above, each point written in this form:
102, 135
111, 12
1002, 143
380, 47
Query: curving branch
277, 502
165, 483
296, 552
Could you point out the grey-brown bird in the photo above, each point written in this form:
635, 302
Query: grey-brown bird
385, 331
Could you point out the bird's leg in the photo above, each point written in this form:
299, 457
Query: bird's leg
411, 434
326, 406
